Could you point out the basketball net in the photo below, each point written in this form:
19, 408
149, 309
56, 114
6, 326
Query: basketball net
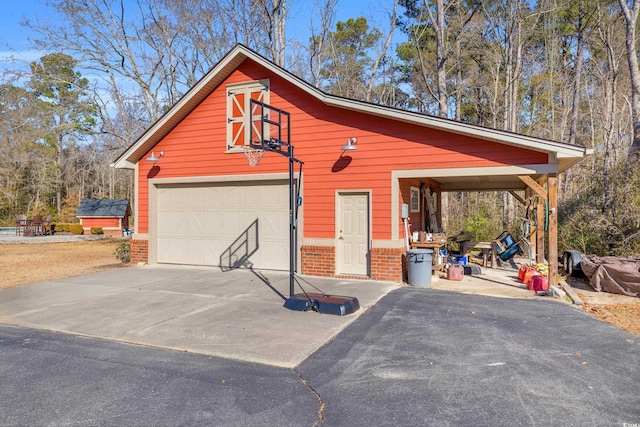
253, 154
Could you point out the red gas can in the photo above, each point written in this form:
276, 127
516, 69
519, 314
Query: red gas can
455, 272
539, 283
521, 271
528, 274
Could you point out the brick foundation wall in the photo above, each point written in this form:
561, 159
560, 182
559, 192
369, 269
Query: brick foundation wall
388, 264
318, 260
139, 251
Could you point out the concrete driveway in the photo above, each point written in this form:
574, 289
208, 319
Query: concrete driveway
236, 314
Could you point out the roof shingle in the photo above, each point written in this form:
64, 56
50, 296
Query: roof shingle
103, 208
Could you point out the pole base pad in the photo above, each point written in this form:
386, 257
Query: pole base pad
323, 303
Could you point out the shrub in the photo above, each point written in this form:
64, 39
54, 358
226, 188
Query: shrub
96, 230
76, 228
123, 252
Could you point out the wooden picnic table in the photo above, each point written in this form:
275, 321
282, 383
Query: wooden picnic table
487, 248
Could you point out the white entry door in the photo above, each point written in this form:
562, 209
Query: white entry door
353, 233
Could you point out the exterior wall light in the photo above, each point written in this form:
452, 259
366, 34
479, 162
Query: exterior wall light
153, 158
350, 144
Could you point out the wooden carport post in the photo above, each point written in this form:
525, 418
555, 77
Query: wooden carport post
540, 231
552, 189
540, 220
551, 196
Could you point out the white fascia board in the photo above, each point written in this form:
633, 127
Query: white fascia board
123, 163
542, 168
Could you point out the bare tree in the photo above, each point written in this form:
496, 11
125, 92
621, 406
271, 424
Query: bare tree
158, 48
326, 11
104, 37
274, 17
437, 20
435, 28
631, 10
607, 64
383, 52
510, 26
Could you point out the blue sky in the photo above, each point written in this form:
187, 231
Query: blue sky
14, 38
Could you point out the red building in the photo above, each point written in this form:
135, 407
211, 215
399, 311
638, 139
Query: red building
199, 202
112, 215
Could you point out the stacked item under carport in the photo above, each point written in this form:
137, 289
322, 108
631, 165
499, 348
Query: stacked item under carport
535, 277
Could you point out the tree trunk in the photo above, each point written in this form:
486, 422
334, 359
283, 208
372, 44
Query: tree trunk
458, 81
383, 53
59, 161
610, 82
577, 71
441, 55
631, 22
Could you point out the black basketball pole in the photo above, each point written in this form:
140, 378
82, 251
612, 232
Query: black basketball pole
292, 226
323, 303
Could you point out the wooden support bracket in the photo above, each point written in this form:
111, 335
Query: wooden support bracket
532, 184
517, 197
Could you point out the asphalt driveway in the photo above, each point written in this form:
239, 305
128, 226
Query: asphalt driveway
437, 358
417, 357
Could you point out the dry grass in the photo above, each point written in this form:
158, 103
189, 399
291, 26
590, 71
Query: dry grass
25, 264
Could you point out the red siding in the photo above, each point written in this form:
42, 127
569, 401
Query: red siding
196, 147
101, 222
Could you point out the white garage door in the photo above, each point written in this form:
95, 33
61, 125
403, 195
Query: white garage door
224, 225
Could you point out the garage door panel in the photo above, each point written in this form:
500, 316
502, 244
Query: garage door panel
165, 247
232, 197
180, 224
274, 257
216, 224
197, 252
196, 199
248, 195
276, 223
213, 198
181, 199
233, 224
197, 223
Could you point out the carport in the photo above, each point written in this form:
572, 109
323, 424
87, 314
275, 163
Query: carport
533, 186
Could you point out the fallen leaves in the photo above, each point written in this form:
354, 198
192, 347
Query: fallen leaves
624, 316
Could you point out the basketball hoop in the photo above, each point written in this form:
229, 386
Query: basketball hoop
253, 154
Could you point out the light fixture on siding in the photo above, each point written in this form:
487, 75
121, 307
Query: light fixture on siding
351, 144
153, 158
